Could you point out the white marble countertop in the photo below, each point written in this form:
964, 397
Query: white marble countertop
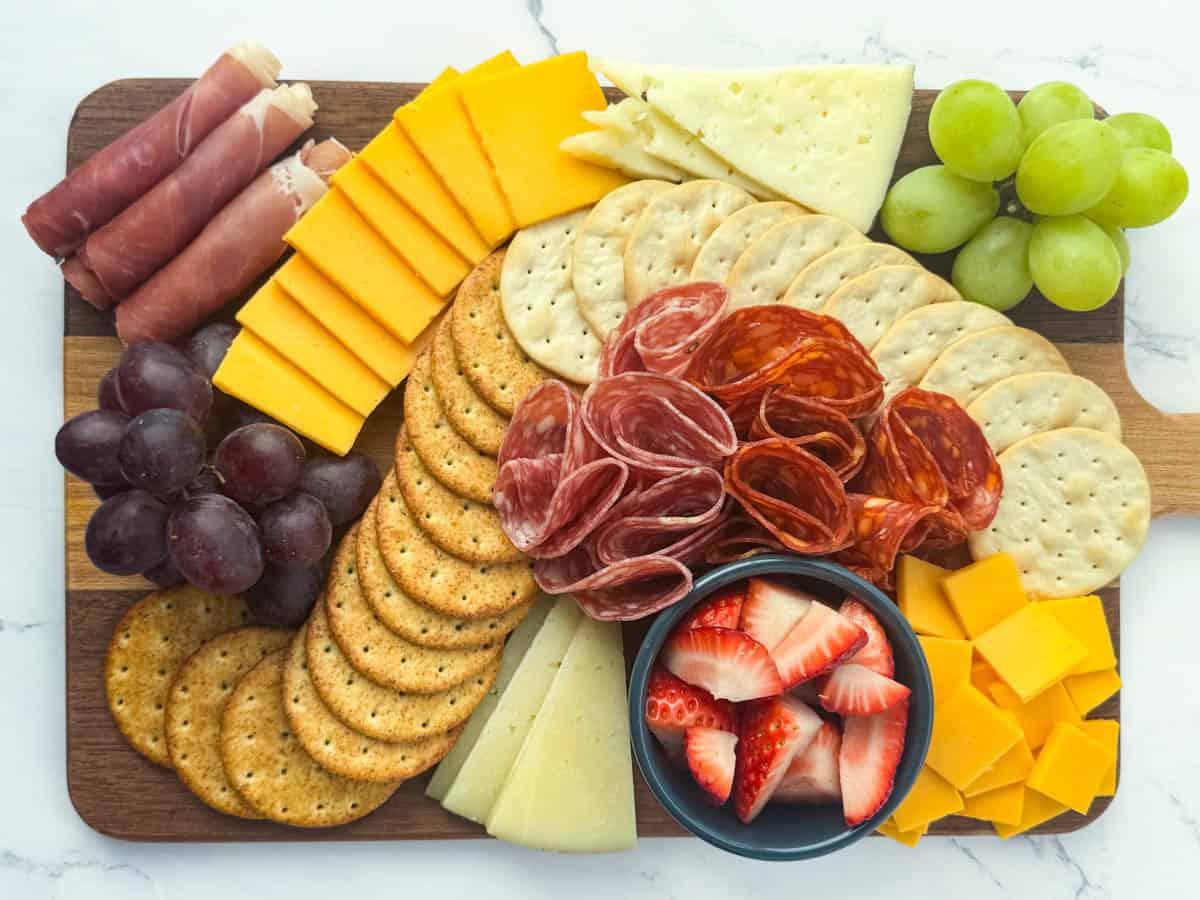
1127, 56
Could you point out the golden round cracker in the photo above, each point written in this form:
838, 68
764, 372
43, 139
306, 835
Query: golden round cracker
495, 365
149, 644
380, 653
340, 749
430, 575
820, 279
415, 621
193, 714
459, 525
385, 714
973, 363
445, 452
873, 302
270, 769
716, 258
466, 411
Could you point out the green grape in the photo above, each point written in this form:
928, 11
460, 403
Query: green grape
932, 210
1150, 186
1069, 167
1050, 103
975, 130
1140, 130
1117, 236
993, 267
1074, 264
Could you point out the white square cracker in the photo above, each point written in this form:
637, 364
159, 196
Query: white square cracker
873, 302
1024, 405
974, 363
719, 253
820, 279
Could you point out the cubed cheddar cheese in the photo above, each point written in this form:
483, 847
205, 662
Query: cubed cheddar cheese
1001, 806
1012, 768
1084, 618
254, 373
922, 600
907, 838
970, 735
1038, 717
1030, 650
930, 799
949, 664
1108, 733
982, 675
1071, 767
521, 117
985, 593
282, 322
1090, 690
1036, 809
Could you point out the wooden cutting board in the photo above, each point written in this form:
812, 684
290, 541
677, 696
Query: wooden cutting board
120, 794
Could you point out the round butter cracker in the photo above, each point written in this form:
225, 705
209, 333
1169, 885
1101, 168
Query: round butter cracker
1075, 511
975, 362
873, 302
467, 412
716, 258
1015, 408
821, 278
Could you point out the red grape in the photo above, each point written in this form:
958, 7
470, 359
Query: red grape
208, 346
87, 445
285, 595
207, 481
260, 463
126, 534
162, 451
295, 530
106, 392
214, 544
344, 484
164, 574
105, 491
153, 376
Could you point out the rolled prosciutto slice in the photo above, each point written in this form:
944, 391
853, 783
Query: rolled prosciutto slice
236, 247
146, 235
93, 193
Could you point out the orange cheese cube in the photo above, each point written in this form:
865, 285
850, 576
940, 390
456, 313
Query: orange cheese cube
1071, 767
922, 600
1108, 733
985, 593
1090, 690
1035, 810
1038, 717
982, 675
970, 734
949, 664
1084, 618
1012, 768
907, 838
1030, 650
931, 798
1002, 806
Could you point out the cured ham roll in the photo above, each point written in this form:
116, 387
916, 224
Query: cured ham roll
139, 241
235, 248
93, 193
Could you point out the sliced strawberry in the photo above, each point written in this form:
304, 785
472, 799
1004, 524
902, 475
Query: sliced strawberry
813, 775
728, 664
771, 610
854, 690
770, 735
818, 643
673, 706
807, 692
877, 653
870, 754
722, 610
711, 760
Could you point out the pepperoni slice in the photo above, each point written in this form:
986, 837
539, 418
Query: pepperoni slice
885, 528
663, 332
826, 433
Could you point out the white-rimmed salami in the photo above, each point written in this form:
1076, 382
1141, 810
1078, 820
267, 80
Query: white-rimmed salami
662, 332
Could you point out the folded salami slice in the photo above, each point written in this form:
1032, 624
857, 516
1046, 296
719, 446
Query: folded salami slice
624, 591
664, 331
826, 433
555, 482
739, 536
657, 424
885, 528
791, 493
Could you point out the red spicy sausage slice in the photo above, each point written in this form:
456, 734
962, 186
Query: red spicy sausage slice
662, 333
885, 528
792, 494
555, 483
826, 433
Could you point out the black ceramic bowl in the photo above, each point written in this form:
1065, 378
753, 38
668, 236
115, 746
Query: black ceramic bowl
781, 831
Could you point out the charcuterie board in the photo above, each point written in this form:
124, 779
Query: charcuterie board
120, 794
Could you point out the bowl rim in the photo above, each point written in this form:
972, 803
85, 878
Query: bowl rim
765, 564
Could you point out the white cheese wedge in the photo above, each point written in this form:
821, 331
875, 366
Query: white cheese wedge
617, 150
515, 649
487, 765
823, 136
571, 788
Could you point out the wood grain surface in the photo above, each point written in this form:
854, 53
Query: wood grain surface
120, 794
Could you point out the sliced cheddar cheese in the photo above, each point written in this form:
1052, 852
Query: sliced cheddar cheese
1035, 809
521, 117
255, 374
1012, 768
984, 593
1090, 690
351, 254
1108, 733
922, 600
970, 735
444, 77
1084, 618
1002, 806
1038, 717
1071, 767
931, 798
1030, 650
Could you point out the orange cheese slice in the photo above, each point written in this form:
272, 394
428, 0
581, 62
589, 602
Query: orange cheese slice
1071, 767
1003, 805
931, 798
1035, 809
1108, 733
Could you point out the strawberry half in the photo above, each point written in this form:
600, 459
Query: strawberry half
854, 690
722, 610
770, 735
772, 610
819, 642
812, 777
673, 706
876, 654
728, 664
711, 760
870, 754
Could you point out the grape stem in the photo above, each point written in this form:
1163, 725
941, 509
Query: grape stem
1010, 203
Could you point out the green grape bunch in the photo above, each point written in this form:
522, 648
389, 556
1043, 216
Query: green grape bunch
1036, 193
